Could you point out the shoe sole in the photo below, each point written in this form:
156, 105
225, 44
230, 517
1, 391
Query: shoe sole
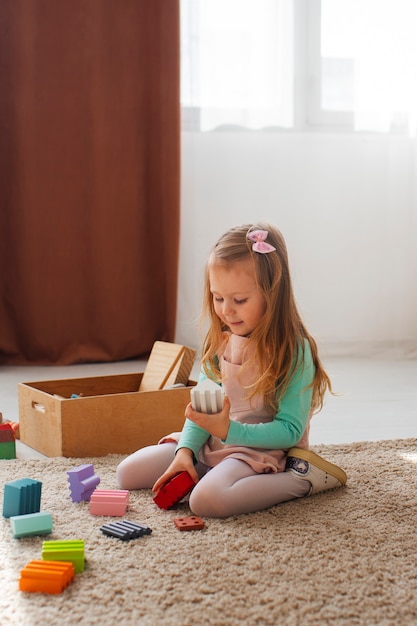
318, 461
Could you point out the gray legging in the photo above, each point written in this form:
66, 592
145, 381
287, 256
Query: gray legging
229, 488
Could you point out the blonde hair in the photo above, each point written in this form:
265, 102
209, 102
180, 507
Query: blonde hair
280, 335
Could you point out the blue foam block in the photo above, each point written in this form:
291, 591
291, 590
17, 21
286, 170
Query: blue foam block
31, 524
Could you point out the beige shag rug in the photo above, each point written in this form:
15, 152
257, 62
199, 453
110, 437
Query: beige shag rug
344, 557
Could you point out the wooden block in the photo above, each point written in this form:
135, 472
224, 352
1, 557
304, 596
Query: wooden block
6, 433
168, 364
21, 497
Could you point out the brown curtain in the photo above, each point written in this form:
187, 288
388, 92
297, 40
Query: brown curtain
89, 175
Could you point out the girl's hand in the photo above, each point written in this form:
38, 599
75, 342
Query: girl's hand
217, 424
183, 462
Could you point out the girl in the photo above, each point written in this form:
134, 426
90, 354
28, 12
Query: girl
254, 453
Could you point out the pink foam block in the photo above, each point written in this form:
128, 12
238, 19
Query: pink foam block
109, 502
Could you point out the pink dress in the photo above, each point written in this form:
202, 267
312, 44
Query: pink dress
235, 379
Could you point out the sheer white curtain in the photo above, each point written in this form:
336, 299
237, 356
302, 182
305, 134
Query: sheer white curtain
379, 41
237, 62
342, 185
253, 63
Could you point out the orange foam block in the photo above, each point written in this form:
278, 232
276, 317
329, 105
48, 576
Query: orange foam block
46, 576
109, 502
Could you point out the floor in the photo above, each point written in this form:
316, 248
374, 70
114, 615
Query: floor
377, 397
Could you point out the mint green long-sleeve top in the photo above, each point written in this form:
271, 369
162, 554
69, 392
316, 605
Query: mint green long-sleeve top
287, 426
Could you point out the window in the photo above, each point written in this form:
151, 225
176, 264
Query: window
237, 62
299, 64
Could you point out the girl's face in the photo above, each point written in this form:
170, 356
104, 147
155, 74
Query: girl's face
237, 299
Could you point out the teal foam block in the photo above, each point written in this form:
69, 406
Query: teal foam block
31, 524
21, 497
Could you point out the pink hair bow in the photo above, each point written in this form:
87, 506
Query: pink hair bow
260, 245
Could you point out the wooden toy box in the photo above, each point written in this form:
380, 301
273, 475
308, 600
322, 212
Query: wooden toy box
111, 416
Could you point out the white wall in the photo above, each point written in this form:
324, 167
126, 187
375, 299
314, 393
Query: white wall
346, 205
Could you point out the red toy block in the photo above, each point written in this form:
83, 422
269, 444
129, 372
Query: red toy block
15, 426
174, 490
189, 523
6, 433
